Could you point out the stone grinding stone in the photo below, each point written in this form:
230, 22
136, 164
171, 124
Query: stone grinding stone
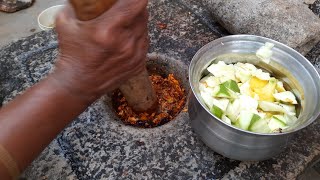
289, 22
309, 1
11, 6
97, 146
315, 7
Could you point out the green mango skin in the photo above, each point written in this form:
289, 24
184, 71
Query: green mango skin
217, 111
232, 85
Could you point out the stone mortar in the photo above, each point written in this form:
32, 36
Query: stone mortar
161, 65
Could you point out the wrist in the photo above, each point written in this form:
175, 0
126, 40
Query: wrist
71, 88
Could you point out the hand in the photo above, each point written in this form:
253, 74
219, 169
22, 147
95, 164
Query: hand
96, 56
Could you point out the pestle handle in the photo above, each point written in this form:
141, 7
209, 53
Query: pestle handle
138, 90
86, 10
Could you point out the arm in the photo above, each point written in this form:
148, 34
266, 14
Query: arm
95, 57
30, 122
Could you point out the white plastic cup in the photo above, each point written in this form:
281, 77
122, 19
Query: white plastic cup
46, 19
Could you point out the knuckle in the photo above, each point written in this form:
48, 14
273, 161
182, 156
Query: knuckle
59, 19
140, 4
128, 49
130, 9
128, 53
104, 37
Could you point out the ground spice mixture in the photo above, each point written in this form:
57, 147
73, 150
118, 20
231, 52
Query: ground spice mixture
171, 99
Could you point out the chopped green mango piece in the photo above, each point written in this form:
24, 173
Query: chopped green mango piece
256, 83
271, 107
255, 118
250, 68
232, 85
217, 111
266, 93
207, 98
226, 119
242, 74
265, 52
261, 75
223, 92
246, 90
259, 126
233, 110
291, 109
280, 118
210, 81
204, 86
290, 119
221, 103
276, 124
245, 119
287, 97
222, 70
280, 87
248, 103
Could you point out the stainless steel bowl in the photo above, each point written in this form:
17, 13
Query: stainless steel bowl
288, 65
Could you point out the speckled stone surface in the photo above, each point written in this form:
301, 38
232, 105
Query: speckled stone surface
289, 22
97, 146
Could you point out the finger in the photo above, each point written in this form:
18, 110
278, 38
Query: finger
106, 35
65, 16
125, 53
135, 57
122, 14
126, 11
144, 46
139, 27
141, 50
141, 19
88, 10
80, 6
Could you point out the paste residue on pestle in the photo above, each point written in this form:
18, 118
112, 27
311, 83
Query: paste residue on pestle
171, 99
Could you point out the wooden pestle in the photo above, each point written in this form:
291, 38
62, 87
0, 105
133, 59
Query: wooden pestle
138, 90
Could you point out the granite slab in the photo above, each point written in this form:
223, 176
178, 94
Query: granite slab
290, 22
98, 146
